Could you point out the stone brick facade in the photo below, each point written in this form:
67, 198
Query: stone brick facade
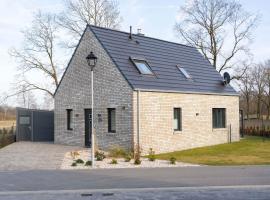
111, 91
156, 108
156, 120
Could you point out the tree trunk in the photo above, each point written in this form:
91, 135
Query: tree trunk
247, 109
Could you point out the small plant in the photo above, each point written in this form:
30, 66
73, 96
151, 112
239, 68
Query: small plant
74, 154
88, 163
74, 164
137, 161
117, 152
79, 161
114, 162
173, 160
137, 156
99, 155
127, 158
152, 156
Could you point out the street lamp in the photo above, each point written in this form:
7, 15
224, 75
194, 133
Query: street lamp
91, 61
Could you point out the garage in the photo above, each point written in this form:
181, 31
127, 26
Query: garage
34, 125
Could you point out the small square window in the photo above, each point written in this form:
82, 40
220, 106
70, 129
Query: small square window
219, 117
24, 120
184, 72
142, 66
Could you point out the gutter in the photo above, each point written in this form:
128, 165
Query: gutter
138, 120
188, 92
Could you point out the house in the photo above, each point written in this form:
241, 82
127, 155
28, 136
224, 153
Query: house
160, 94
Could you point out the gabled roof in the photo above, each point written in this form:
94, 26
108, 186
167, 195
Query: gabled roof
163, 57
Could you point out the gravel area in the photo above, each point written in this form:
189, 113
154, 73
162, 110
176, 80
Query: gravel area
85, 155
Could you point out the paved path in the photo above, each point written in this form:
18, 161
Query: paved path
133, 178
33, 155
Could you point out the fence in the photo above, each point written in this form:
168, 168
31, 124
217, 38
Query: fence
7, 136
257, 131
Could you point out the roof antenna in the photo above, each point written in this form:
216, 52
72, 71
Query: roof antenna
130, 32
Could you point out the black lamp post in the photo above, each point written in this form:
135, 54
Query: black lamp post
92, 61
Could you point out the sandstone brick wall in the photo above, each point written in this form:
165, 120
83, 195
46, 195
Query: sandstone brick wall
156, 120
111, 91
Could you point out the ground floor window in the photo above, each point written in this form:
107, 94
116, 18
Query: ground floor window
111, 120
69, 119
219, 117
177, 119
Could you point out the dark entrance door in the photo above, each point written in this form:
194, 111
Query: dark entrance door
88, 126
24, 128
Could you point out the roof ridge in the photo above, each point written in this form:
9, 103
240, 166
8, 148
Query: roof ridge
143, 36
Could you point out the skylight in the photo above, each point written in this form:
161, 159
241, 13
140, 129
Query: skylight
184, 72
142, 66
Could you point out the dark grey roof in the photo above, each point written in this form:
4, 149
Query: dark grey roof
162, 56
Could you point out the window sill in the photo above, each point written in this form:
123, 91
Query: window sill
219, 129
111, 133
177, 132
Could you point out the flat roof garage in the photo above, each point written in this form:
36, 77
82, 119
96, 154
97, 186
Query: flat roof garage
34, 125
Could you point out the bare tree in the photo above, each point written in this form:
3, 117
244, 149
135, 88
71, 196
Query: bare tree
246, 88
37, 57
220, 29
258, 74
27, 99
78, 13
266, 99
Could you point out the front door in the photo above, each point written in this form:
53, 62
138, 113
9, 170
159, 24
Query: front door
88, 126
24, 128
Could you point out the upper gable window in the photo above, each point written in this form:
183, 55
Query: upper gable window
184, 72
142, 66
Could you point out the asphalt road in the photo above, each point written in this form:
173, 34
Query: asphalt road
246, 182
133, 178
190, 193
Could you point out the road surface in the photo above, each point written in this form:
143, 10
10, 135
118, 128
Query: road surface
249, 182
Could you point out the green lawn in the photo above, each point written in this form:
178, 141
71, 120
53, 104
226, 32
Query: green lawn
249, 151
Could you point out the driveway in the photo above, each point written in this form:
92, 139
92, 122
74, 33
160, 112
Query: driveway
33, 155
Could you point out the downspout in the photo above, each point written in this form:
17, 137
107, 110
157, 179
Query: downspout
138, 120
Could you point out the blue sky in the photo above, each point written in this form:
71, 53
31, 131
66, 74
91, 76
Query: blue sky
156, 18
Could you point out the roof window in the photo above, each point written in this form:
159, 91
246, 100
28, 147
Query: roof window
184, 72
142, 66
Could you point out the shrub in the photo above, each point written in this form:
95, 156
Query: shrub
173, 160
114, 162
99, 155
88, 163
152, 156
117, 152
7, 136
74, 164
127, 158
137, 161
79, 161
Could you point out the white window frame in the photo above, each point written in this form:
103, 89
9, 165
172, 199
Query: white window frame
135, 61
184, 72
